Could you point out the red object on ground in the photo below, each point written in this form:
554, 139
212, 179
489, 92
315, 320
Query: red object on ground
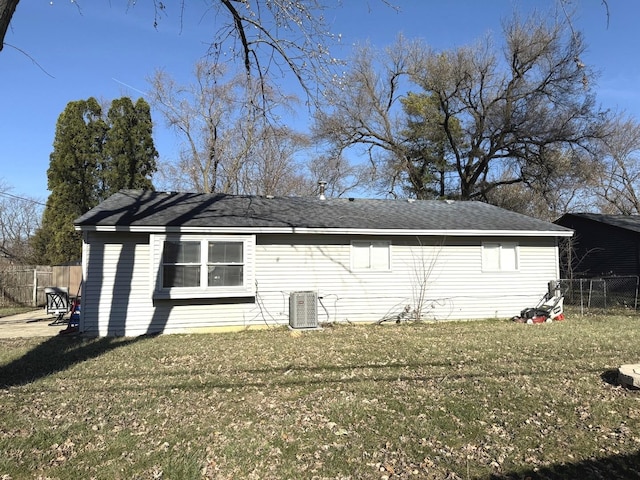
539, 319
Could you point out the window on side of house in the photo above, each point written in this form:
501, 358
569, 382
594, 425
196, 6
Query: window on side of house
181, 264
225, 263
371, 255
500, 257
195, 266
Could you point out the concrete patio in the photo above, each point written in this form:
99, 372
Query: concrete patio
629, 375
30, 324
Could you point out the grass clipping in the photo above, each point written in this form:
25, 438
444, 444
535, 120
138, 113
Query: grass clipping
489, 399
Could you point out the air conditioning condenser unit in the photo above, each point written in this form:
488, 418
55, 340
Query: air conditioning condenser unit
303, 310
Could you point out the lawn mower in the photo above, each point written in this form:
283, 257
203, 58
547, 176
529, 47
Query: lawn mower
550, 307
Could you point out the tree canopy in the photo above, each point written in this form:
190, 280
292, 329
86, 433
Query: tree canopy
265, 38
93, 156
483, 117
129, 158
229, 147
616, 183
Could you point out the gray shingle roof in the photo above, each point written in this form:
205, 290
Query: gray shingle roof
156, 209
627, 222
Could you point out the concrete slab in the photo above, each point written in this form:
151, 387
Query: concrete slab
629, 375
31, 324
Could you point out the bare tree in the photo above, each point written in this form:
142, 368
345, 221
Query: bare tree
211, 118
266, 39
362, 108
569, 188
273, 166
271, 38
507, 119
618, 180
19, 219
341, 176
228, 146
518, 113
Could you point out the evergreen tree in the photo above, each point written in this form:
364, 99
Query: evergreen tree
129, 153
429, 157
93, 156
71, 179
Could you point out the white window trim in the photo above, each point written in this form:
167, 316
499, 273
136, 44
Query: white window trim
355, 268
247, 289
500, 268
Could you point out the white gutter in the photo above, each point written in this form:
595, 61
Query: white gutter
326, 231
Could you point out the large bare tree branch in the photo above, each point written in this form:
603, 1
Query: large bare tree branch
7, 9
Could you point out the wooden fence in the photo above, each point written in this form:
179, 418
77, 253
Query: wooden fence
24, 285
69, 276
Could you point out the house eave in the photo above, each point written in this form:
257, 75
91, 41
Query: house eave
323, 231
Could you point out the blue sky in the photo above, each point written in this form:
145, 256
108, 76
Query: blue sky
103, 48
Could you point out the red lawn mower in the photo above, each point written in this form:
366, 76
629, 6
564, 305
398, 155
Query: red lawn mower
550, 308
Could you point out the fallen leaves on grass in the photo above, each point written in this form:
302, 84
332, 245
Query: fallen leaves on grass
451, 400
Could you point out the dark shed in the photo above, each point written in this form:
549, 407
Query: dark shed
603, 245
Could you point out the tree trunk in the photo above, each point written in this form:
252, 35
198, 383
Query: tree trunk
7, 8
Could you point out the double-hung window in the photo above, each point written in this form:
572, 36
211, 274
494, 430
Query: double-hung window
225, 262
201, 266
181, 264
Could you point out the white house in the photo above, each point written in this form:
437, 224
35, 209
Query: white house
184, 262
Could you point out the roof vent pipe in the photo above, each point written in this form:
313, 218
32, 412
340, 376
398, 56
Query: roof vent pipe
321, 186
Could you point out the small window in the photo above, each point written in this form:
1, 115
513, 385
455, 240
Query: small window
374, 255
181, 264
499, 257
225, 264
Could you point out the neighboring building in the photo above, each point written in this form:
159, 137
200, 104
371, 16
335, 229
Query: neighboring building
181, 262
603, 245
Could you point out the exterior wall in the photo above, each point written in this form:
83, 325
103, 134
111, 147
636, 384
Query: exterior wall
118, 292
601, 250
116, 286
451, 271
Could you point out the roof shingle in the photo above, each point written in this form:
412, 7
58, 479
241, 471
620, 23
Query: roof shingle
157, 209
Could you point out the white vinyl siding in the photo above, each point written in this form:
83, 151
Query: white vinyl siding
118, 291
449, 270
116, 297
122, 271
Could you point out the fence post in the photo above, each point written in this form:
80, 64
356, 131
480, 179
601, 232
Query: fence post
34, 299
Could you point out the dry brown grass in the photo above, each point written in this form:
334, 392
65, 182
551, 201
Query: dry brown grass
489, 399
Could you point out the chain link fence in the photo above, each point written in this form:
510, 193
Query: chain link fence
601, 293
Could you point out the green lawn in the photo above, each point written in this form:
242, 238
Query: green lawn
489, 399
